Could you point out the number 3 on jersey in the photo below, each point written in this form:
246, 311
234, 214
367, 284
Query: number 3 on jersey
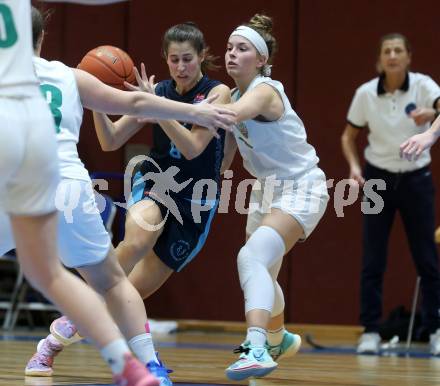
54, 98
8, 32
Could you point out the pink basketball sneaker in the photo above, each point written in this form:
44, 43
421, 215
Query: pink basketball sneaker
135, 374
40, 365
65, 331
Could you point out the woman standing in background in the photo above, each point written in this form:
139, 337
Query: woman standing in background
395, 106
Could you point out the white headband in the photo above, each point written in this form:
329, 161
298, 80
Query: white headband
257, 40
254, 37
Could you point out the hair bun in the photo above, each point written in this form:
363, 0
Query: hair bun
262, 22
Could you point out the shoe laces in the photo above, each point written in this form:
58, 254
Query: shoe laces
40, 359
242, 349
47, 352
52, 345
158, 368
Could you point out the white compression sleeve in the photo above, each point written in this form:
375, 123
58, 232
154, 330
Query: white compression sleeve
262, 251
278, 304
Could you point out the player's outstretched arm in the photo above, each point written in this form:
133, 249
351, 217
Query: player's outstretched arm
229, 152
112, 135
97, 96
258, 101
191, 143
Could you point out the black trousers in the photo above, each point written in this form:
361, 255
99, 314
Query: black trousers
412, 194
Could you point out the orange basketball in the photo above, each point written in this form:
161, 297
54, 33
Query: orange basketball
110, 65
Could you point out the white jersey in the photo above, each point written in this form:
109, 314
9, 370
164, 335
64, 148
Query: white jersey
277, 148
17, 77
59, 87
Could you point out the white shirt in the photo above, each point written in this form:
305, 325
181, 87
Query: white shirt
389, 125
17, 77
59, 87
277, 148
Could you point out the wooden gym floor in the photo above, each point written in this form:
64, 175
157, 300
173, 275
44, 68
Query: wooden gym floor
199, 353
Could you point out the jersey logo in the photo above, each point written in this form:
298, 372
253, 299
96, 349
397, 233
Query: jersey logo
243, 130
198, 98
243, 134
179, 250
104, 52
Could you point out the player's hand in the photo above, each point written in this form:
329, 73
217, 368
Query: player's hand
356, 177
412, 148
144, 82
214, 117
422, 115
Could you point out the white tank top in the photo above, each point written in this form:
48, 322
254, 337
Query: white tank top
277, 148
17, 76
58, 85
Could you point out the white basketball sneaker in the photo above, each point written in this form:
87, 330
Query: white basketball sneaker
369, 343
253, 362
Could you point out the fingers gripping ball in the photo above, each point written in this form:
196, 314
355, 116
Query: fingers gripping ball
110, 65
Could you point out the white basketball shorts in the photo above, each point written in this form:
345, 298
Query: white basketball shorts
305, 198
82, 237
29, 171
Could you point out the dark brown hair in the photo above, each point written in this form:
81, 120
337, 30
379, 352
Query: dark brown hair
39, 21
189, 32
392, 36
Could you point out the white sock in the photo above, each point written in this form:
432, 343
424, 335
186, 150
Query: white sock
275, 337
114, 354
256, 336
143, 347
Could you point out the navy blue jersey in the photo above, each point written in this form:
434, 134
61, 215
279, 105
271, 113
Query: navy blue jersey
187, 217
164, 152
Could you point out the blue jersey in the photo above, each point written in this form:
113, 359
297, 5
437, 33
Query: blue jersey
187, 217
207, 165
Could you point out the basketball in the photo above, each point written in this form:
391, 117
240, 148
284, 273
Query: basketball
110, 65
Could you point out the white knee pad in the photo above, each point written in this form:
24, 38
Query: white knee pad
278, 304
263, 250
